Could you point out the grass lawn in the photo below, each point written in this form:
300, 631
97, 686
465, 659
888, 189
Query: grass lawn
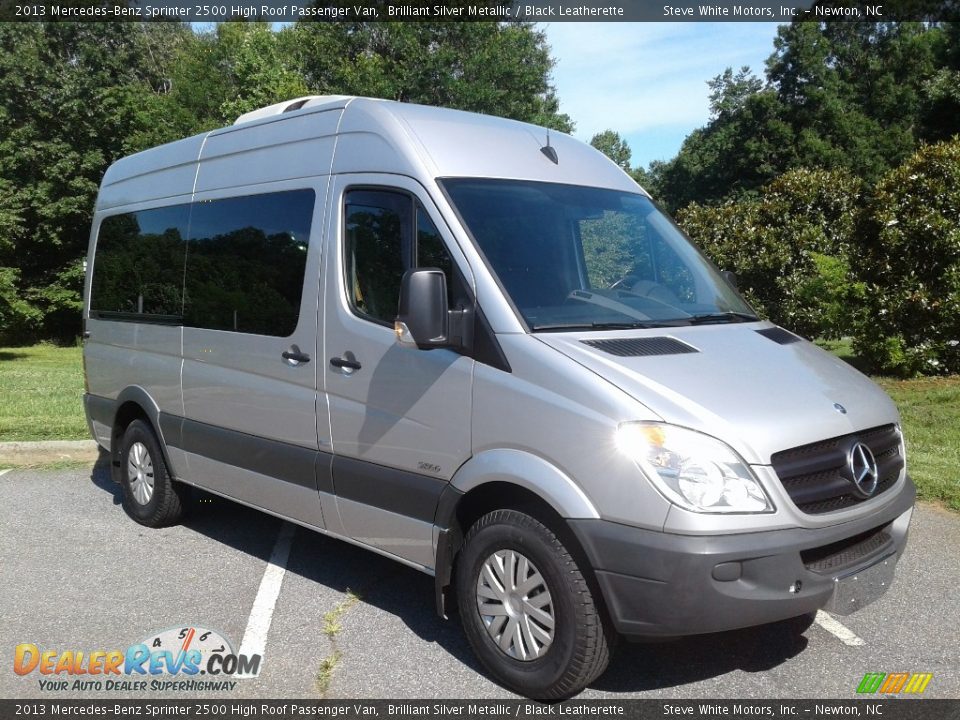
41, 394
41, 389
930, 408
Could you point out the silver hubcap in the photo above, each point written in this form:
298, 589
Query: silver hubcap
140, 472
515, 605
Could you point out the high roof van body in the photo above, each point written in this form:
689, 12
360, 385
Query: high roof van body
477, 347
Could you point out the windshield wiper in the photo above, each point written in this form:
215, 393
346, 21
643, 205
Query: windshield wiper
721, 317
596, 326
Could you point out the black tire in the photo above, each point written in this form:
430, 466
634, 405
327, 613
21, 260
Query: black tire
580, 647
167, 498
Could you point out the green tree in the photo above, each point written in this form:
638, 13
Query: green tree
854, 90
260, 72
215, 76
941, 108
496, 68
845, 95
738, 152
613, 146
60, 126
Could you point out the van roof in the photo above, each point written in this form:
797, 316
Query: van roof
317, 135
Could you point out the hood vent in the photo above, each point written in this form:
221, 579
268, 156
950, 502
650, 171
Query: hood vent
779, 335
642, 346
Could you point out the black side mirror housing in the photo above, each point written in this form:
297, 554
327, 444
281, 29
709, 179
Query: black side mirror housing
422, 318
731, 277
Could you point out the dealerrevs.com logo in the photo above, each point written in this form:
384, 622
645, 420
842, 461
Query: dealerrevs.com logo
172, 660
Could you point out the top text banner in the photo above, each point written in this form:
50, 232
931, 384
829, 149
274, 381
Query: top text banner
478, 10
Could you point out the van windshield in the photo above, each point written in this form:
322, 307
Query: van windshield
575, 257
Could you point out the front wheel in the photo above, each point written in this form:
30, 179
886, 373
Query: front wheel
526, 608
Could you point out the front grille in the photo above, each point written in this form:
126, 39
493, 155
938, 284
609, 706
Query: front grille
816, 476
847, 553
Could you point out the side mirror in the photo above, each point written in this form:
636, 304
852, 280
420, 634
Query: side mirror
422, 319
731, 277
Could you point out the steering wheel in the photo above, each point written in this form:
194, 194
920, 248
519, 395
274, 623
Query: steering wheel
646, 289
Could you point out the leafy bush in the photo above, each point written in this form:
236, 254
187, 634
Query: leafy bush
790, 248
832, 296
911, 253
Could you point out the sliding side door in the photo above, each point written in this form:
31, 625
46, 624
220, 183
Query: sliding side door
250, 359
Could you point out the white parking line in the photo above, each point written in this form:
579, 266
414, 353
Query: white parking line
261, 614
4, 472
838, 630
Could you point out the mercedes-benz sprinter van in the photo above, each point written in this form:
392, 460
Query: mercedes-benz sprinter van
477, 347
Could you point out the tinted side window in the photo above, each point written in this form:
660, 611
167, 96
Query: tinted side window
138, 266
431, 252
246, 261
387, 233
377, 251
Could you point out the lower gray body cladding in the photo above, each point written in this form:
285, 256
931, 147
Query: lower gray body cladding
662, 585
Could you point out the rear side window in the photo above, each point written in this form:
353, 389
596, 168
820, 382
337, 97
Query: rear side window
246, 260
138, 267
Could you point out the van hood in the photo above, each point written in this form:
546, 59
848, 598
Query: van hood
740, 386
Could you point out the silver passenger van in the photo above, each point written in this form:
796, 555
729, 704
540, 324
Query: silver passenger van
477, 347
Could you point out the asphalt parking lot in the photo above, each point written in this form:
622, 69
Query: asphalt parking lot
77, 574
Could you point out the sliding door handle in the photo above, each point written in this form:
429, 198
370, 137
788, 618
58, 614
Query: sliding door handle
293, 355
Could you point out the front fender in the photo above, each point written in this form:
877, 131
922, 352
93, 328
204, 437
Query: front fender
503, 465
530, 472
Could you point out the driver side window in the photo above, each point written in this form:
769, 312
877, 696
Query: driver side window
386, 233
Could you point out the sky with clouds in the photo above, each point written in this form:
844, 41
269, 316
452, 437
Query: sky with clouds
648, 81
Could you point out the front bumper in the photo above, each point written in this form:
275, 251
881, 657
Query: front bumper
666, 585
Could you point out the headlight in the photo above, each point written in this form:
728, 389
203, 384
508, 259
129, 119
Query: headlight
903, 445
694, 471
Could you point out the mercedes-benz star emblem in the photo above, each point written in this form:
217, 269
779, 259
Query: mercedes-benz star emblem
863, 469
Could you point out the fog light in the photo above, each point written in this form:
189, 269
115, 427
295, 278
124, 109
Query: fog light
728, 571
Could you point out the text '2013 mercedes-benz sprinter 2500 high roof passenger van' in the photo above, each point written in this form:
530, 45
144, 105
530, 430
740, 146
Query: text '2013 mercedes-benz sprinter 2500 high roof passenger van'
478, 348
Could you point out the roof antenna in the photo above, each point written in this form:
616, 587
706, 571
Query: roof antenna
550, 151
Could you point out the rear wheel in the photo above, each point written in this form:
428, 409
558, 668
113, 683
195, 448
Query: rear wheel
526, 608
150, 496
